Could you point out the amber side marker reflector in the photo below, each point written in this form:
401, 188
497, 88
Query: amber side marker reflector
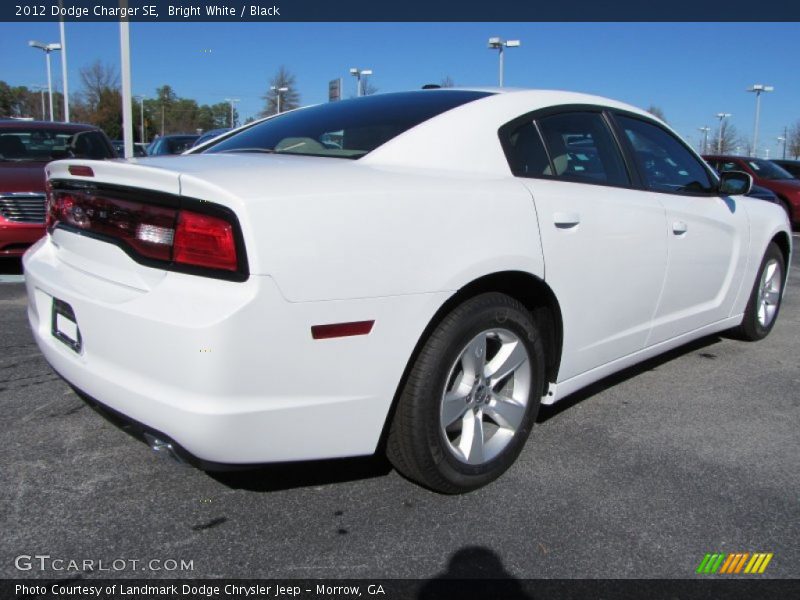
334, 330
81, 170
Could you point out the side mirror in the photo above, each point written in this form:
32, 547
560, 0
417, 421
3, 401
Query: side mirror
735, 183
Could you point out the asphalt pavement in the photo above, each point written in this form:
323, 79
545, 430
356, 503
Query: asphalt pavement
638, 477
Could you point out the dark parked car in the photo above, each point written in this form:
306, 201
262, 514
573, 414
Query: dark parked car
171, 144
139, 150
25, 148
792, 166
209, 135
766, 174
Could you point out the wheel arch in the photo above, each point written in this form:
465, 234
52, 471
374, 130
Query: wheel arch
784, 243
528, 289
787, 206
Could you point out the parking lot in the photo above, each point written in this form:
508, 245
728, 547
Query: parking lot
638, 477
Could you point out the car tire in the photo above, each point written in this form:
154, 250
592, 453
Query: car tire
470, 398
765, 297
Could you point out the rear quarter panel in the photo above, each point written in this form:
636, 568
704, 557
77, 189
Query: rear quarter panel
387, 232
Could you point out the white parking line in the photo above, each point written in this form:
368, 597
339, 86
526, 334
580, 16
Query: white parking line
12, 278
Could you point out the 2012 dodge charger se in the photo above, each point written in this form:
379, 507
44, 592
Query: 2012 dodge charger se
413, 272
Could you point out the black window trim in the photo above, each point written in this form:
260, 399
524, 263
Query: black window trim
629, 150
505, 131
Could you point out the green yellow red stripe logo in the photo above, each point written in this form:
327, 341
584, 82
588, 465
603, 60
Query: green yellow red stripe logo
734, 563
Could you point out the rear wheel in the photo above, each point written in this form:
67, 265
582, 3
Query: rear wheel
765, 298
471, 397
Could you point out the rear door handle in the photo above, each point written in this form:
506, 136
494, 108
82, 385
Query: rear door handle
566, 220
679, 227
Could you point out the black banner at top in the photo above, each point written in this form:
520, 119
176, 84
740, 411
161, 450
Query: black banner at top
397, 10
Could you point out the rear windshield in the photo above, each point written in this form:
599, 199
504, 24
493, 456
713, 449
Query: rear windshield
345, 129
44, 145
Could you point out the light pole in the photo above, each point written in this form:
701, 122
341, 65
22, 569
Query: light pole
40, 89
721, 117
495, 43
358, 74
278, 91
142, 134
231, 101
705, 131
64, 64
47, 48
758, 88
783, 139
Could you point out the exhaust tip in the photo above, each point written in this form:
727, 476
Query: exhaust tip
163, 448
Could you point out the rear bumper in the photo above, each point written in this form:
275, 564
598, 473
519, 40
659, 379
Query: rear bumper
16, 238
229, 371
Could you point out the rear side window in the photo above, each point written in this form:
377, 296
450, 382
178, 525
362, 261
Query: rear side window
666, 164
526, 154
582, 148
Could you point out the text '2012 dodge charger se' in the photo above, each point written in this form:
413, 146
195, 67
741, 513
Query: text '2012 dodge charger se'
413, 273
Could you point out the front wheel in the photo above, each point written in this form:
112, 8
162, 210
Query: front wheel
471, 397
765, 298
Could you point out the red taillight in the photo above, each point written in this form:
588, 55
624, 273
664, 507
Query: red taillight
182, 237
204, 241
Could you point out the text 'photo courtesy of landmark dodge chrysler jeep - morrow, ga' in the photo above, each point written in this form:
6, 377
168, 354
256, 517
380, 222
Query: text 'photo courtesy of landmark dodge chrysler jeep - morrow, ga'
412, 273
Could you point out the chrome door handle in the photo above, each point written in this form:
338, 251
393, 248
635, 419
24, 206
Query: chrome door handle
679, 227
566, 220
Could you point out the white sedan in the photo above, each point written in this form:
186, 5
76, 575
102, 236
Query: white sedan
410, 273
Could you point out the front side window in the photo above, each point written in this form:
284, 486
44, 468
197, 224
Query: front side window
667, 165
344, 129
583, 149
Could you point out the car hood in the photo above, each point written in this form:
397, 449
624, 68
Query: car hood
22, 177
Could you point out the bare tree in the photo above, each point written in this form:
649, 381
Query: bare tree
656, 112
290, 99
728, 141
793, 141
97, 79
368, 88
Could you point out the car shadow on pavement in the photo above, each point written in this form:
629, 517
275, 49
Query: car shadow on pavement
286, 476
548, 412
10, 266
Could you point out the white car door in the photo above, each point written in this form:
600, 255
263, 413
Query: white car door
604, 243
708, 234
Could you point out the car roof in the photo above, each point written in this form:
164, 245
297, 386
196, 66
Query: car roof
460, 137
12, 124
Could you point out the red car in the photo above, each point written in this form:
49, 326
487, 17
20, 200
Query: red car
766, 174
25, 148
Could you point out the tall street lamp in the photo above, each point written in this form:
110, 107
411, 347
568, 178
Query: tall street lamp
142, 133
495, 43
47, 48
358, 74
721, 117
278, 91
64, 64
40, 89
705, 131
758, 89
231, 101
